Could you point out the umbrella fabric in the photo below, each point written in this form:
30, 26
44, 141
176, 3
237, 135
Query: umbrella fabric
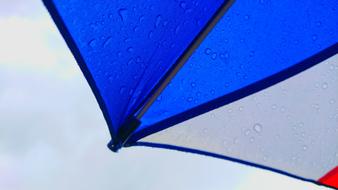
129, 51
253, 41
146, 36
289, 128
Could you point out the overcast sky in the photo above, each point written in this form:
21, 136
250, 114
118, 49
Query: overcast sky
53, 135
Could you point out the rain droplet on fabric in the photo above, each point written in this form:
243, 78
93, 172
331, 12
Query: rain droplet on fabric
324, 85
207, 51
123, 14
158, 21
189, 99
214, 56
305, 147
257, 127
183, 5
92, 43
122, 89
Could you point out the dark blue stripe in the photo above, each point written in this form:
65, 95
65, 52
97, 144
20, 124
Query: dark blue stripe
238, 94
200, 152
79, 59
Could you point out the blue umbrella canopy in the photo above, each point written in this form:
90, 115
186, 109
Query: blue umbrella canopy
154, 64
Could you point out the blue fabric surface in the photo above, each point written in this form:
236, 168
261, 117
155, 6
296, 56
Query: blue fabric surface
124, 47
253, 41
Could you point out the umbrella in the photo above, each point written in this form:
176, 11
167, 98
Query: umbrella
232, 80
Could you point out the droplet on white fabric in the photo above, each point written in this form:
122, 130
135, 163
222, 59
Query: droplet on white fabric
257, 127
305, 147
324, 85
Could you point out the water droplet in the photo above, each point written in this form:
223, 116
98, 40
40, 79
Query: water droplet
224, 55
165, 23
316, 107
119, 54
198, 22
177, 29
131, 61
305, 147
247, 132
282, 109
188, 10
158, 21
131, 91
92, 43
207, 51
151, 34
107, 42
252, 53
122, 89
214, 56
130, 49
138, 59
159, 98
123, 14
183, 5
324, 85
141, 19
198, 94
274, 107
236, 141
193, 84
332, 101
127, 40
225, 143
314, 37
190, 99
300, 124
111, 79
257, 127
136, 29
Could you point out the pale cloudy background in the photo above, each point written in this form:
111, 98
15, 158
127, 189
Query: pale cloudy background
53, 135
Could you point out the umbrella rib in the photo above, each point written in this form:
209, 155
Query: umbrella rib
133, 120
183, 59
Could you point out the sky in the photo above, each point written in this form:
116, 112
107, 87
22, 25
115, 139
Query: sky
53, 134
